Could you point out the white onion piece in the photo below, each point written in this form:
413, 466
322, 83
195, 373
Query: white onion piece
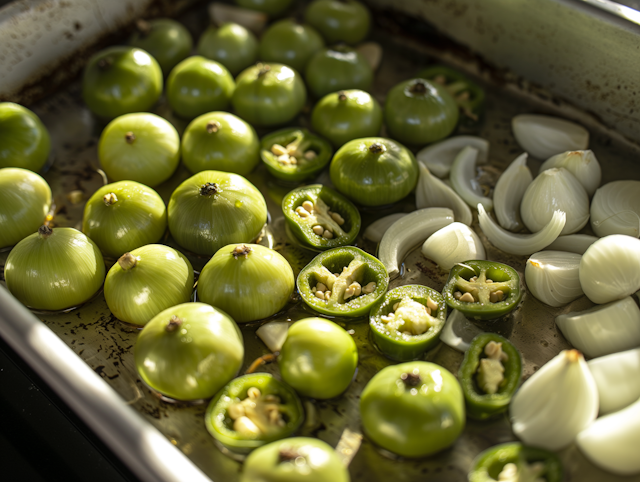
439, 157
544, 136
610, 268
273, 334
613, 374
615, 209
458, 331
574, 243
432, 192
555, 189
555, 403
376, 229
463, 179
521, 244
553, 277
372, 53
453, 244
582, 164
612, 441
508, 193
407, 233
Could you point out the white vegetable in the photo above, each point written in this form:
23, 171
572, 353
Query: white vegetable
553, 277
458, 331
615, 209
555, 403
376, 230
372, 53
453, 244
432, 192
613, 374
273, 334
521, 244
545, 136
574, 243
603, 329
582, 164
610, 268
508, 193
463, 179
439, 157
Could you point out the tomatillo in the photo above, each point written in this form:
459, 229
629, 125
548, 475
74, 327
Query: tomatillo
231, 44
291, 43
339, 20
337, 68
167, 40
24, 140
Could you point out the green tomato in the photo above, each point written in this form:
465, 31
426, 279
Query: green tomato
269, 94
413, 409
347, 115
273, 8
337, 68
248, 281
197, 86
339, 20
25, 200
167, 40
139, 147
291, 43
24, 140
318, 358
121, 80
220, 141
297, 459
374, 171
232, 45
188, 352
419, 112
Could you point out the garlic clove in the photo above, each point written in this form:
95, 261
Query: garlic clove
376, 230
458, 331
453, 244
573, 243
439, 157
544, 136
582, 164
463, 179
432, 192
612, 374
615, 209
553, 277
508, 193
273, 334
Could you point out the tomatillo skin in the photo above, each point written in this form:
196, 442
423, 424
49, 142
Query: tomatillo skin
413, 409
147, 281
212, 209
268, 95
311, 153
374, 171
503, 278
25, 200
121, 80
419, 112
482, 405
139, 147
347, 115
189, 352
123, 216
338, 269
167, 40
318, 358
339, 20
220, 424
291, 43
273, 8
220, 141
337, 68
24, 140
400, 344
198, 85
249, 281
231, 44
54, 269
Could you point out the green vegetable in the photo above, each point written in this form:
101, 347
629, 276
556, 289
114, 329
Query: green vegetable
273, 8
291, 43
339, 20
167, 40
231, 44
337, 68
24, 140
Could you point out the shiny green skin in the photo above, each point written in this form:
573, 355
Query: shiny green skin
413, 421
347, 115
220, 425
139, 217
489, 463
193, 361
161, 278
167, 40
232, 45
271, 97
339, 20
203, 224
233, 146
198, 85
56, 272
291, 43
273, 8
24, 140
130, 82
151, 158
318, 358
406, 347
249, 288
419, 118
371, 178
337, 68
25, 200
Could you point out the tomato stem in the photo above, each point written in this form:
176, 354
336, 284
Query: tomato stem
130, 137
287, 454
410, 379
110, 198
342, 96
264, 69
45, 231
213, 127
241, 250
208, 189
419, 87
263, 360
174, 324
127, 261
376, 148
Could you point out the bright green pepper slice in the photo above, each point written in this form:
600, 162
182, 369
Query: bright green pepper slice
224, 408
402, 326
295, 154
484, 396
488, 465
339, 272
489, 289
321, 218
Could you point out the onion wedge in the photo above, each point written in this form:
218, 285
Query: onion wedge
582, 164
454, 244
509, 191
376, 230
615, 209
612, 374
432, 192
463, 179
573, 243
458, 332
553, 277
544, 136
439, 157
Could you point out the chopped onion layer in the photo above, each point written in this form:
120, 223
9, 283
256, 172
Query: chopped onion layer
458, 331
453, 244
439, 157
509, 191
431, 192
553, 277
463, 179
612, 374
544, 136
582, 164
573, 243
376, 230
615, 209
273, 334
